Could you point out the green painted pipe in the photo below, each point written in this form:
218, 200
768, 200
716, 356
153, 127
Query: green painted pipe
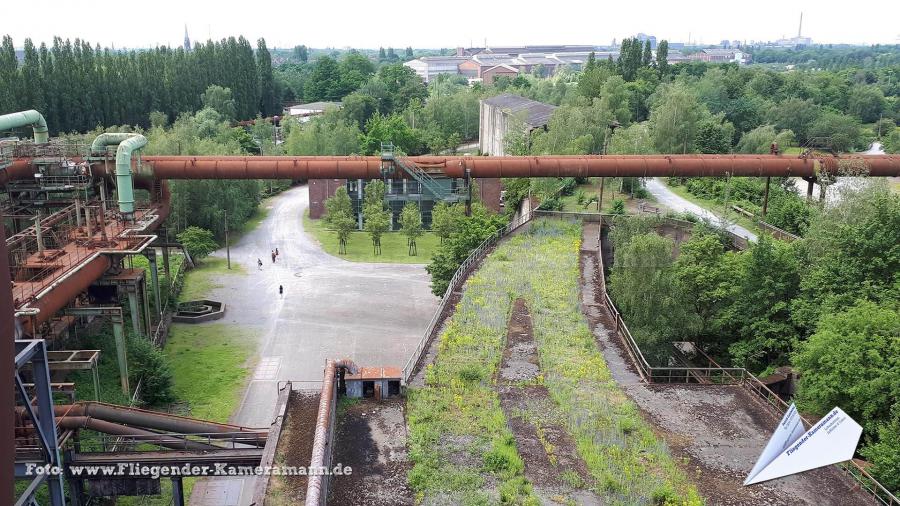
27, 118
128, 143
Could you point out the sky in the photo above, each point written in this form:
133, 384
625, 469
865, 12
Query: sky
431, 24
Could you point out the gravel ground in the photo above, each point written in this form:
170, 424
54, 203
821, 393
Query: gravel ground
370, 437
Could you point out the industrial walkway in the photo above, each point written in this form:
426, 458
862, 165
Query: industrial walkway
374, 314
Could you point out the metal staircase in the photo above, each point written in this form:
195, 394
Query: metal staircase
389, 162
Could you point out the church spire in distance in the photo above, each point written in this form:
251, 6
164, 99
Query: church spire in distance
187, 40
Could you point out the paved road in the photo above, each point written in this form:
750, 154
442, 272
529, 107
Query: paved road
374, 314
669, 199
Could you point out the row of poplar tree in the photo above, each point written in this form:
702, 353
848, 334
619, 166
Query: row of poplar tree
78, 86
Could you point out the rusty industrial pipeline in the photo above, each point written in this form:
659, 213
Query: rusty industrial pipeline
317, 487
370, 167
148, 425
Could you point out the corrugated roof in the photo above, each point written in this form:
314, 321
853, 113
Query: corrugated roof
537, 113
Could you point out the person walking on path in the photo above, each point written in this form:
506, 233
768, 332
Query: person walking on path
276, 252
273, 256
259, 264
280, 290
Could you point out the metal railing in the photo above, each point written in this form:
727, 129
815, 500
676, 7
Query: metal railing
728, 376
174, 289
777, 232
458, 277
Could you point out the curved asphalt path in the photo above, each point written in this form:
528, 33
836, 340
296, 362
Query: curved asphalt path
374, 314
669, 199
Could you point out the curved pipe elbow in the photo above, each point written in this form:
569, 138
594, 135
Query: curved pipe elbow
30, 118
128, 143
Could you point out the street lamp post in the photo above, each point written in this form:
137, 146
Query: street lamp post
227, 246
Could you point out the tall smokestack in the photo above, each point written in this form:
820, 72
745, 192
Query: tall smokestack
800, 28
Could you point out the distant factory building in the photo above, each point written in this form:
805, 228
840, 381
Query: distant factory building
305, 112
429, 67
499, 114
719, 55
484, 65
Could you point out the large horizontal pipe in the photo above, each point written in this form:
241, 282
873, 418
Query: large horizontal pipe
86, 422
369, 167
153, 420
356, 167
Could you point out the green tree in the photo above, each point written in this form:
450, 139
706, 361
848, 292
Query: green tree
390, 129
841, 131
705, 277
852, 361
468, 233
301, 53
760, 315
884, 453
643, 286
759, 140
855, 239
339, 217
411, 225
268, 99
796, 115
199, 242
647, 56
866, 102
220, 100
713, 136
674, 118
444, 219
614, 98
662, 57
376, 221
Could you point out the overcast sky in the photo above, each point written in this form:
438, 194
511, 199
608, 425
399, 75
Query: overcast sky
447, 23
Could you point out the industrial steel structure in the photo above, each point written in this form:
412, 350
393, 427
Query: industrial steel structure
73, 216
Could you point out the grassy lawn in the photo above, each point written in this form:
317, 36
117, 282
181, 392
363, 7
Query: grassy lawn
202, 279
715, 207
210, 363
359, 245
461, 447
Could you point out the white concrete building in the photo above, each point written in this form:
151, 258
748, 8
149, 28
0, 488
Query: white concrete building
429, 67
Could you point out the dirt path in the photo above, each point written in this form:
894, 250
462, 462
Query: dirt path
294, 449
551, 458
718, 431
370, 437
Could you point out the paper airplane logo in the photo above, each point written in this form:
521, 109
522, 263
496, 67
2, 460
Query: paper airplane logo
792, 450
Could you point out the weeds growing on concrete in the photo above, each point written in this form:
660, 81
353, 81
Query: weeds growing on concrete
461, 446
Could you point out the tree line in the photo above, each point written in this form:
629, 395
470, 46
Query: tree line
79, 87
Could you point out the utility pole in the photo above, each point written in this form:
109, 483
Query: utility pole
612, 128
227, 247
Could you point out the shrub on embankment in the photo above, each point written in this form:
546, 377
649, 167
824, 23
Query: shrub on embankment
460, 444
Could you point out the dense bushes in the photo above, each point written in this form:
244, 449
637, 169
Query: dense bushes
468, 233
